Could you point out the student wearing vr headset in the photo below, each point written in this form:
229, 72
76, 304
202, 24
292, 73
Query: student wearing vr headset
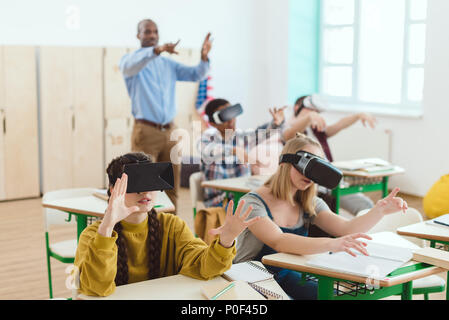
151, 83
224, 149
307, 111
133, 243
288, 205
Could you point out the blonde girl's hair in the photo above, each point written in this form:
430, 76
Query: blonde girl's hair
280, 182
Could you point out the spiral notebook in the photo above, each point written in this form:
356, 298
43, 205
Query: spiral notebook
247, 271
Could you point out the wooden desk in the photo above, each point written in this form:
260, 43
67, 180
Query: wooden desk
178, 287
376, 181
398, 282
92, 206
434, 234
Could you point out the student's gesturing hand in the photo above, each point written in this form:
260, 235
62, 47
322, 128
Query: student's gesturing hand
391, 203
349, 242
116, 210
367, 119
205, 49
234, 224
317, 122
278, 115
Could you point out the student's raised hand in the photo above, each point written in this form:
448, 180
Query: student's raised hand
317, 122
349, 242
234, 224
391, 203
205, 49
278, 115
367, 120
117, 210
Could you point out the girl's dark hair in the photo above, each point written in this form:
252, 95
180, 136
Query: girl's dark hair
115, 171
212, 106
300, 103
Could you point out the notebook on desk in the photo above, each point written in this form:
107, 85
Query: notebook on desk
247, 271
235, 290
382, 260
370, 165
442, 221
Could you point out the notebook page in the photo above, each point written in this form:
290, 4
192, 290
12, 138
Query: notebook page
382, 261
248, 272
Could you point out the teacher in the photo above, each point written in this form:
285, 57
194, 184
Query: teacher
151, 83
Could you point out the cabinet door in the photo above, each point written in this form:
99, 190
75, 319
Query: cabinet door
117, 103
117, 139
88, 154
2, 126
57, 117
21, 145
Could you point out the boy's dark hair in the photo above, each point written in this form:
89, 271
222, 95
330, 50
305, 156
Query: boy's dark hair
115, 170
300, 103
212, 106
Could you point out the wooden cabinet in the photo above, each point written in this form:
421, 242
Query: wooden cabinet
118, 120
19, 146
71, 93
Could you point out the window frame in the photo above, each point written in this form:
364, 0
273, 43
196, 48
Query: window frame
353, 102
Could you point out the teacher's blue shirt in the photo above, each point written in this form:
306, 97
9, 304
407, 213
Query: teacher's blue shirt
151, 83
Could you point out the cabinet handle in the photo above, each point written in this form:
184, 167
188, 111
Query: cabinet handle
4, 125
73, 122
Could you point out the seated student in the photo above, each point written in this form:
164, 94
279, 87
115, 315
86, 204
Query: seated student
307, 110
134, 243
224, 150
288, 205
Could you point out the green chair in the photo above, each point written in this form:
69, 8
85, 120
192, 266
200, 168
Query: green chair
390, 223
63, 251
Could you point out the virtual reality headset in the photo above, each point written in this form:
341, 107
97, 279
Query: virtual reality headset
314, 102
146, 176
314, 168
227, 114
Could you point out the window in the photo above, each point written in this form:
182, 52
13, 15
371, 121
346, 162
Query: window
372, 52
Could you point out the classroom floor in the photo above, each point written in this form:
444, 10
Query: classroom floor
23, 268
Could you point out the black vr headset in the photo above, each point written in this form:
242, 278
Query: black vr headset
146, 176
314, 168
227, 114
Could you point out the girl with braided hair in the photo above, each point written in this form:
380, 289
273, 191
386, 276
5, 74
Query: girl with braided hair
133, 243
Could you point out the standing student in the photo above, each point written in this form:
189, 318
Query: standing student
224, 149
288, 205
307, 111
151, 82
133, 243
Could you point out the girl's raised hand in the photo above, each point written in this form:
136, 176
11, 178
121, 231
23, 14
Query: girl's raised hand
391, 203
234, 224
117, 210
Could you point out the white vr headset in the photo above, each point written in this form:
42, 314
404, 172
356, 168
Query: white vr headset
227, 114
316, 102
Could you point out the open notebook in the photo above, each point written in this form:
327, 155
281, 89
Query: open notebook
383, 260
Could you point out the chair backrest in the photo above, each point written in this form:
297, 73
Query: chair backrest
57, 217
396, 220
196, 191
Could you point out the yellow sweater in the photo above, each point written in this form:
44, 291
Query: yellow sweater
182, 253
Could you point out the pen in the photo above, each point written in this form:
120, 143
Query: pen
223, 291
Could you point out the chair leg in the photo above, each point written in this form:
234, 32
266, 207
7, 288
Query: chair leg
426, 296
50, 287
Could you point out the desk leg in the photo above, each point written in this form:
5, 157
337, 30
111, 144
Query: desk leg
407, 291
385, 186
337, 192
325, 289
81, 224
